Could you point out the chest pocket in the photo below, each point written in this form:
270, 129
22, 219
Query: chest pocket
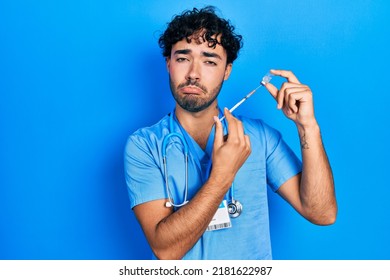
250, 185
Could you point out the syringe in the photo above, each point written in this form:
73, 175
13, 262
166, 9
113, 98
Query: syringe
266, 79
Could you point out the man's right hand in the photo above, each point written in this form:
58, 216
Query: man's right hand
230, 154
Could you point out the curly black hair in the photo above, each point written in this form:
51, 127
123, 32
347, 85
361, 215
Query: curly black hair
192, 22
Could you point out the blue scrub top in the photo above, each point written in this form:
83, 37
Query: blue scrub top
271, 163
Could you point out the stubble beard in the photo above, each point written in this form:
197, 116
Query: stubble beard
191, 102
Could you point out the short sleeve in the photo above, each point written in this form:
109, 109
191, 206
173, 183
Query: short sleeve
143, 175
281, 161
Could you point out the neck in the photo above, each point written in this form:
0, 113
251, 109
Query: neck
198, 124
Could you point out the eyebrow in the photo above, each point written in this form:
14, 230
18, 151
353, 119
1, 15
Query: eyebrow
183, 51
206, 54
211, 54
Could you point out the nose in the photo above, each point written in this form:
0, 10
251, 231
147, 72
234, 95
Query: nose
193, 71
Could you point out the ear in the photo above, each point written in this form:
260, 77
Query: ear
168, 62
228, 70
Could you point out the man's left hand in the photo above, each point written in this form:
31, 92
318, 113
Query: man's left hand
294, 98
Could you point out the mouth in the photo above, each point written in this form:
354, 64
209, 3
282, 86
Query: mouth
192, 90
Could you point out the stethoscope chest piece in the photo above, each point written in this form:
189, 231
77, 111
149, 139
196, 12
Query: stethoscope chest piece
234, 208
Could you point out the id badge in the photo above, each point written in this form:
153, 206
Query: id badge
221, 218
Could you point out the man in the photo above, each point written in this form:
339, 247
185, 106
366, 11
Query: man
183, 210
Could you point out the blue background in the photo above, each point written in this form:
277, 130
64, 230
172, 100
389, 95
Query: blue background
77, 77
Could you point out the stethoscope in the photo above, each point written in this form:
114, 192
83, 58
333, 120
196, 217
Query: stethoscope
170, 203
234, 206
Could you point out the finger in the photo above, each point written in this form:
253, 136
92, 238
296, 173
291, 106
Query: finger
286, 74
247, 142
292, 103
296, 97
240, 131
279, 95
272, 90
290, 97
218, 139
232, 126
284, 92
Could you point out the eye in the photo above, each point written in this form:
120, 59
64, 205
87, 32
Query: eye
181, 59
211, 63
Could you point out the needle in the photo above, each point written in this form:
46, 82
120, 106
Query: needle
264, 81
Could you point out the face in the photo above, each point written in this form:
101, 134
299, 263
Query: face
196, 73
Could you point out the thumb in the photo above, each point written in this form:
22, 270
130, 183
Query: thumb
272, 90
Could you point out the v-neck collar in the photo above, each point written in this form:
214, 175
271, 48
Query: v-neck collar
194, 146
201, 157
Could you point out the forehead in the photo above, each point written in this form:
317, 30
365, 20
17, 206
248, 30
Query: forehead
197, 47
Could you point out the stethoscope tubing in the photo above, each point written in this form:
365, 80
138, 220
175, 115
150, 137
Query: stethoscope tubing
236, 204
171, 134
